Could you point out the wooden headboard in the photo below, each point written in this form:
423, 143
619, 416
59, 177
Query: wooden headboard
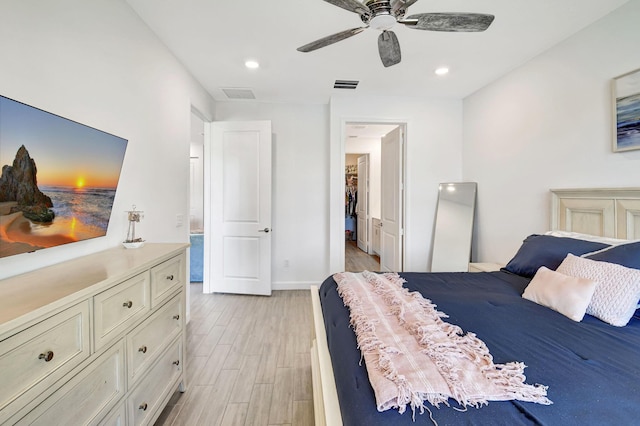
611, 213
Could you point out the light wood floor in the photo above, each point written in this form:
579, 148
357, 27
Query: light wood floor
248, 361
357, 261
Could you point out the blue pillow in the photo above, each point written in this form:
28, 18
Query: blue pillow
547, 250
624, 254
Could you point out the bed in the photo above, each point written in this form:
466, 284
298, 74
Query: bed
591, 367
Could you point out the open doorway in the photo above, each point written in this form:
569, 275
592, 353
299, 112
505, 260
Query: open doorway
196, 199
365, 198
360, 248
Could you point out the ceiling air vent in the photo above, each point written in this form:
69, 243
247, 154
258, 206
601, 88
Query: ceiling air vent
239, 93
345, 84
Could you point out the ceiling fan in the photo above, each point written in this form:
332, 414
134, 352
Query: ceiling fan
384, 14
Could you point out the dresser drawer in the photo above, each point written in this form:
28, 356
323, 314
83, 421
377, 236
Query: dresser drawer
166, 278
34, 359
118, 308
86, 398
148, 397
148, 340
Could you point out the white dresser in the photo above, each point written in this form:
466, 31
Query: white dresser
97, 340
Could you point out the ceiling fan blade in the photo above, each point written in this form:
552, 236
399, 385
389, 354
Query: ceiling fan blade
326, 41
401, 5
389, 48
453, 22
351, 5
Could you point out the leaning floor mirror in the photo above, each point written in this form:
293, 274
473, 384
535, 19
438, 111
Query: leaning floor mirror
453, 230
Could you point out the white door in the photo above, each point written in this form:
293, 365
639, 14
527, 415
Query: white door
391, 233
362, 208
238, 247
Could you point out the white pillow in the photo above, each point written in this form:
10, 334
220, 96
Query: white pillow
568, 295
617, 293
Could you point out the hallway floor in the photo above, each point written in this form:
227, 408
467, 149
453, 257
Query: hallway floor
357, 261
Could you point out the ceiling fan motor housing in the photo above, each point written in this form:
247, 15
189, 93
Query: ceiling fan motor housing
381, 17
379, 6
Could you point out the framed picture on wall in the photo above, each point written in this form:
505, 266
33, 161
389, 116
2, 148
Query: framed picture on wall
626, 97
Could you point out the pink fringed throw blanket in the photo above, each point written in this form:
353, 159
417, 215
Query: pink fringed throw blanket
413, 356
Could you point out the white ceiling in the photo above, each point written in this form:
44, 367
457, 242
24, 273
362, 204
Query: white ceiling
213, 39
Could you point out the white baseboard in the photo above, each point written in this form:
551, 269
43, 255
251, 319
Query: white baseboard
293, 285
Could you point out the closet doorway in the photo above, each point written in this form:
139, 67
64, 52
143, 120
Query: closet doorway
367, 199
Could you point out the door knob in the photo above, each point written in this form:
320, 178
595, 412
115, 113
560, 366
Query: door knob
267, 230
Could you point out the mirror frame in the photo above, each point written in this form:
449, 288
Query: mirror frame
453, 233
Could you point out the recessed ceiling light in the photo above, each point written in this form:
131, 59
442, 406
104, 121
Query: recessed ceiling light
252, 64
442, 71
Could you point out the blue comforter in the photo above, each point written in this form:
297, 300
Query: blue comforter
592, 368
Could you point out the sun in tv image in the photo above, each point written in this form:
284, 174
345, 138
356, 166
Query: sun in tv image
58, 180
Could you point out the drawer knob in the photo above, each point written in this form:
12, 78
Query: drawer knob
47, 356
176, 317
176, 362
143, 406
170, 277
143, 349
128, 304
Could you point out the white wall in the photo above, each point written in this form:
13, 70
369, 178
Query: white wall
433, 155
548, 124
306, 162
97, 63
300, 187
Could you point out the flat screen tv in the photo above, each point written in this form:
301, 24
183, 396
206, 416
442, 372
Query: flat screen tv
58, 181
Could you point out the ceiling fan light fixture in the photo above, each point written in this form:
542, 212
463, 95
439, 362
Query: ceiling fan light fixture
251, 64
442, 71
382, 22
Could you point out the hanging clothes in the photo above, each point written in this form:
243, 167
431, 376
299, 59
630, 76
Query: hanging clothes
351, 199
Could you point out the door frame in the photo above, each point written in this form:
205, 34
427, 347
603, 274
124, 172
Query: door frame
336, 189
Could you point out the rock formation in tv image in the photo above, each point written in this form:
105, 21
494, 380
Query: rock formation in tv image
19, 184
22, 206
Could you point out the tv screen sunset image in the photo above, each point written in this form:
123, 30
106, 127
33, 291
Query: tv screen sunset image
58, 179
